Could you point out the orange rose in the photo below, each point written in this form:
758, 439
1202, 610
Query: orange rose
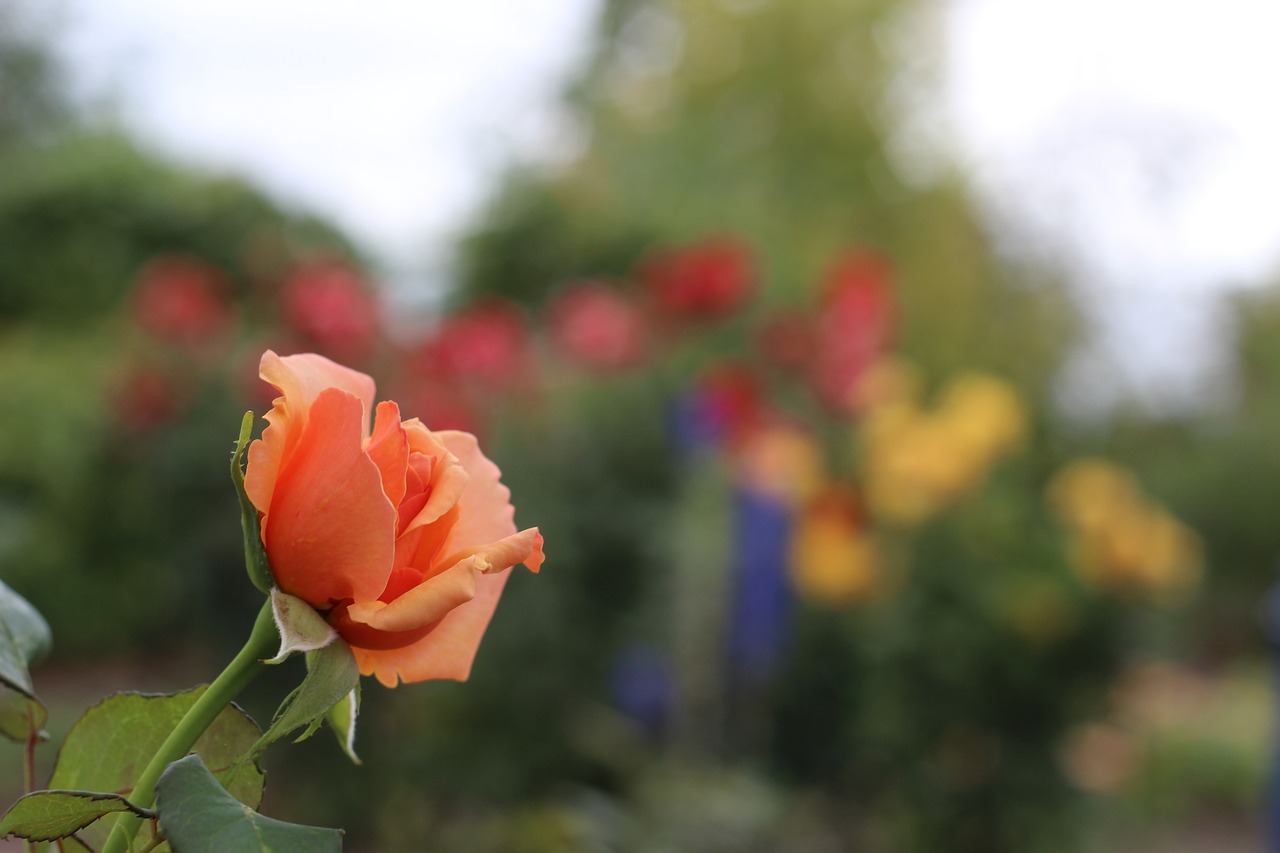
402, 537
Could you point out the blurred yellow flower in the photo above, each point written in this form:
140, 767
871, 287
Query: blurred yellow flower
1122, 542
833, 559
918, 461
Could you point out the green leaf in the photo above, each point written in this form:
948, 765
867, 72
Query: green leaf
342, 720
24, 639
301, 627
332, 674
30, 632
108, 747
198, 816
46, 815
255, 556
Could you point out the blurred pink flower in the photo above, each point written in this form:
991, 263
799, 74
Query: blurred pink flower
146, 399
331, 307
596, 327
785, 340
855, 327
706, 281
181, 300
442, 403
730, 401
486, 344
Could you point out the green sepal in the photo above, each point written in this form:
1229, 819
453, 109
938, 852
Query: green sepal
342, 721
332, 674
301, 627
198, 816
24, 639
50, 815
255, 556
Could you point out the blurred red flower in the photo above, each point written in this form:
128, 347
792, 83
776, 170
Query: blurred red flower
146, 399
440, 404
486, 344
706, 281
331, 306
855, 327
785, 340
730, 402
596, 327
181, 300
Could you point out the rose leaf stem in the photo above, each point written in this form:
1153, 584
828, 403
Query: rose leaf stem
262, 643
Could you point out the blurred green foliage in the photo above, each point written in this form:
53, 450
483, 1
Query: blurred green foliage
79, 218
771, 122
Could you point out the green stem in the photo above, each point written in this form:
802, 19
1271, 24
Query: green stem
262, 643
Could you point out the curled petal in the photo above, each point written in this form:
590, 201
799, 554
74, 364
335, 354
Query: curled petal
431, 600
448, 477
389, 450
425, 604
447, 650
330, 530
300, 379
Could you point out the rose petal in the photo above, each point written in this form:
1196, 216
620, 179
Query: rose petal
430, 600
448, 650
331, 530
426, 603
485, 511
389, 450
300, 379
448, 477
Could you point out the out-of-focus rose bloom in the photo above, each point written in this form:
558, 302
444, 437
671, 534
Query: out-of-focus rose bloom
146, 399
181, 300
331, 306
854, 328
918, 461
706, 281
833, 556
402, 537
441, 402
1122, 542
720, 408
785, 340
486, 344
596, 327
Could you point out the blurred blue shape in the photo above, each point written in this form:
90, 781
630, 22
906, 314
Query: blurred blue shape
760, 616
696, 424
642, 687
1271, 624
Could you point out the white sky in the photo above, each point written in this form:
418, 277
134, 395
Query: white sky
1133, 140
1136, 141
390, 116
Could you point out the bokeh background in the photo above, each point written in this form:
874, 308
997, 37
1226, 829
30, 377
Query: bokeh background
895, 384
